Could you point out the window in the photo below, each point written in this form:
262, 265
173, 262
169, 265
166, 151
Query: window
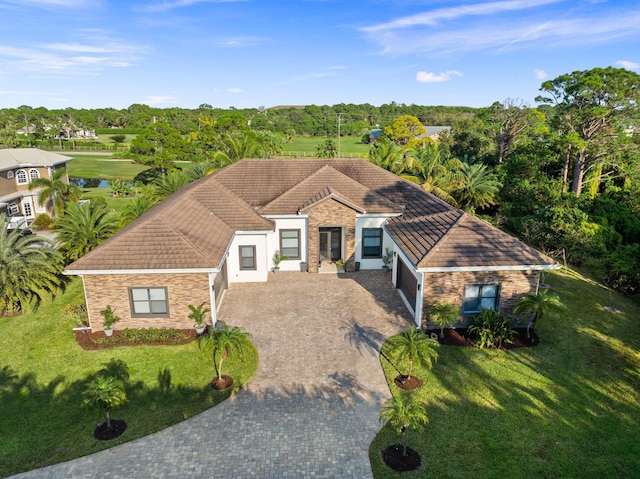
9, 175
372, 242
247, 257
481, 296
21, 176
26, 207
290, 243
149, 302
12, 209
33, 173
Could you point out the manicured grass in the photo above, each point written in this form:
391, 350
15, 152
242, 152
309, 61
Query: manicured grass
305, 146
114, 205
569, 407
43, 374
102, 166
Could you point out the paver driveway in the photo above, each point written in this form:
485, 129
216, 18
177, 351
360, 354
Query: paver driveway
312, 408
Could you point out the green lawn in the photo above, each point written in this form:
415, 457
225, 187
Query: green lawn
305, 146
43, 373
102, 166
569, 407
114, 205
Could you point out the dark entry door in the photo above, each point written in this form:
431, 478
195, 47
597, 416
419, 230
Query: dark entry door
330, 243
407, 283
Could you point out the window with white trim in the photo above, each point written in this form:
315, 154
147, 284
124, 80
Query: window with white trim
21, 177
480, 296
26, 208
34, 174
147, 302
290, 243
247, 257
12, 209
372, 242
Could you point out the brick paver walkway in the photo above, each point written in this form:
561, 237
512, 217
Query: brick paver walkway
312, 408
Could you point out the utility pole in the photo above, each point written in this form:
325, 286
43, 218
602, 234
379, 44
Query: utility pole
339, 118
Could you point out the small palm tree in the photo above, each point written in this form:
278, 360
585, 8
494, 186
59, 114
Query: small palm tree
105, 393
443, 314
404, 412
538, 304
415, 346
55, 191
198, 314
219, 343
168, 184
386, 154
135, 208
83, 227
478, 189
28, 269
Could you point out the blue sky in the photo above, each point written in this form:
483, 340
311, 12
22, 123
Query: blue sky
252, 53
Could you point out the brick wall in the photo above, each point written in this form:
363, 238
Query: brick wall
449, 287
332, 213
182, 289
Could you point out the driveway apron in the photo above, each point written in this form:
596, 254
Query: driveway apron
312, 408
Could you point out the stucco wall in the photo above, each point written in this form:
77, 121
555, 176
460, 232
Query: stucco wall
449, 287
182, 289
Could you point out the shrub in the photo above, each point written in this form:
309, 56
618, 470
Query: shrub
491, 329
42, 222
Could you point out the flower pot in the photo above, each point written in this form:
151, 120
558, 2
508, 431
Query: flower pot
108, 332
200, 328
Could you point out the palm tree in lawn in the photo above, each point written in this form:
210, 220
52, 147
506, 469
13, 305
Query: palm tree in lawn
403, 411
220, 343
434, 170
415, 346
55, 191
478, 189
386, 154
83, 227
135, 208
28, 269
105, 393
538, 304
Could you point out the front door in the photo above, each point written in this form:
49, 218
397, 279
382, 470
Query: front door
330, 244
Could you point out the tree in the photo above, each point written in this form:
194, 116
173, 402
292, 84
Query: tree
415, 346
478, 187
403, 412
28, 269
105, 393
406, 131
219, 344
443, 314
594, 108
386, 154
135, 208
538, 304
167, 185
56, 191
82, 228
327, 149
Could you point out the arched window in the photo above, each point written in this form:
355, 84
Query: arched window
10, 175
21, 176
33, 173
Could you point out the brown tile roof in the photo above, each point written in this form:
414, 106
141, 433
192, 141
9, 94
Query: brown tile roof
193, 227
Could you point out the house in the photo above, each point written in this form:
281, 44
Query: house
225, 228
18, 167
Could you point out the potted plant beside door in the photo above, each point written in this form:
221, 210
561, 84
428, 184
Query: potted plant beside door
277, 258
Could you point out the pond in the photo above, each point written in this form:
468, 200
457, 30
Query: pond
89, 182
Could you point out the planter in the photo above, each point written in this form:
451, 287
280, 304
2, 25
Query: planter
275, 270
108, 332
200, 328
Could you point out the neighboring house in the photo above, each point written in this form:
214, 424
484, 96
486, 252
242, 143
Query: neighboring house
374, 135
18, 167
225, 228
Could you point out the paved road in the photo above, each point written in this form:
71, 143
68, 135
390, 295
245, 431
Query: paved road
312, 408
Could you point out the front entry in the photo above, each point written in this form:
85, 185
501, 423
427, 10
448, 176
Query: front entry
330, 243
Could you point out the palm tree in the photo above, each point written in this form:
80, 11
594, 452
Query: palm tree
165, 186
443, 314
82, 228
434, 170
404, 412
386, 154
135, 208
55, 191
219, 343
478, 189
415, 346
202, 169
105, 393
28, 269
538, 304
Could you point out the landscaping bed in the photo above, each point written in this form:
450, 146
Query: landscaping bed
96, 340
460, 337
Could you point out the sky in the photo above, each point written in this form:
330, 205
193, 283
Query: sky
266, 53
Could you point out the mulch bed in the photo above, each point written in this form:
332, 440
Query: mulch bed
104, 433
407, 383
222, 383
83, 339
460, 337
392, 457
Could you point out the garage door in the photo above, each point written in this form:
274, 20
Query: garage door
220, 283
407, 283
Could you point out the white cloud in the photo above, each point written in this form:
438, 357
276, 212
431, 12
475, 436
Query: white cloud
540, 74
234, 90
628, 65
239, 42
429, 77
156, 100
171, 4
